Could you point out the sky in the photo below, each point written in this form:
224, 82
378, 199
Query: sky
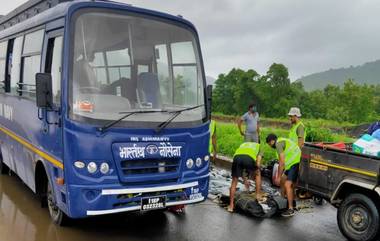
307, 36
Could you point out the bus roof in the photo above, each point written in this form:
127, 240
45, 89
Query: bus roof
27, 10
38, 12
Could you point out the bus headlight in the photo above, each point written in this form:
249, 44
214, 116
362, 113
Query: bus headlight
189, 163
104, 168
198, 162
207, 158
92, 167
79, 164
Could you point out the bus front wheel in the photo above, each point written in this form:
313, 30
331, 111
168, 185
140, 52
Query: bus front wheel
56, 214
358, 218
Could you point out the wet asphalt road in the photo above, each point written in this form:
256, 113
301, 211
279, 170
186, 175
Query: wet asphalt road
22, 219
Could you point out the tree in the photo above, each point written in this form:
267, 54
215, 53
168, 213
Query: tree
234, 91
274, 94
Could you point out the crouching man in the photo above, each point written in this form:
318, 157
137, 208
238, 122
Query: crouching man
289, 156
247, 159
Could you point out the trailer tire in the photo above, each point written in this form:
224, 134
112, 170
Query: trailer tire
358, 218
56, 214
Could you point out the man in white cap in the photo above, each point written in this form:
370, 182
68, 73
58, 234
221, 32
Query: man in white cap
297, 133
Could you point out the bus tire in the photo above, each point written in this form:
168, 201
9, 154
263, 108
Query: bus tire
56, 214
358, 218
4, 169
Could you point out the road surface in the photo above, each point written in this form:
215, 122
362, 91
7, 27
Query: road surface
22, 219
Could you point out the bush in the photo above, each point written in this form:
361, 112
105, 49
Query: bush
317, 134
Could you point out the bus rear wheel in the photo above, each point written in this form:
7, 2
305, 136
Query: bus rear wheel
56, 214
4, 169
358, 218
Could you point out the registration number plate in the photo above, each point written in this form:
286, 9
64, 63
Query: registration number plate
152, 203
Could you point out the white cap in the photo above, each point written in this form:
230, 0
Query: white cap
295, 111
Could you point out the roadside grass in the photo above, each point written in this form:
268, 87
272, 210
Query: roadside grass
229, 138
312, 122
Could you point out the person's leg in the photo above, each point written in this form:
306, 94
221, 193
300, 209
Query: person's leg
289, 193
248, 137
282, 185
255, 138
257, 174
232, 193
236, 172
245, 137
292, 175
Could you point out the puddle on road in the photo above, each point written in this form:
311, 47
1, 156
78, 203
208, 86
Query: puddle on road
22, 218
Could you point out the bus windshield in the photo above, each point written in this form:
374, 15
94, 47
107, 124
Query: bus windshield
123, 63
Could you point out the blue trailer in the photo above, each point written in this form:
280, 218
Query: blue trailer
103, 107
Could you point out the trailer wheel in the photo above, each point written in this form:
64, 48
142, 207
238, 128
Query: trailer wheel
56, 214
4, 169
358, 218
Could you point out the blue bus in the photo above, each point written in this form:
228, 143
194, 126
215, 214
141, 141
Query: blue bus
104, 107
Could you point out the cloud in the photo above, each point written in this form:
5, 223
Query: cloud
306, 36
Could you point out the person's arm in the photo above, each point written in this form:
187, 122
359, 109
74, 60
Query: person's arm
301, 135
239, 122
213, 139
301, 142
280, 168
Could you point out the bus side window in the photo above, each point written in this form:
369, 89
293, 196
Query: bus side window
3, 55
53, 65
31, 63
16, 66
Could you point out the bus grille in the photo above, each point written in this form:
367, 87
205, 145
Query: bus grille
150, 166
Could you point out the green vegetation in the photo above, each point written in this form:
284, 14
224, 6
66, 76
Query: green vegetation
274, 95
229, 138
285, 120
367, 73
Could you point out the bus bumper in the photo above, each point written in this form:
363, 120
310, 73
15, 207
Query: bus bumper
109, 199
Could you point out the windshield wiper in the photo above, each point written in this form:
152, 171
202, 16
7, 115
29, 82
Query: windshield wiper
175, 114
127, 114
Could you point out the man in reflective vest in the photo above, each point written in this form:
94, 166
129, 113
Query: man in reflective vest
247, 160
289, 156
297, 133
212, 145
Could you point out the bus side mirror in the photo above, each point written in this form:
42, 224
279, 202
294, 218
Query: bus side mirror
44, 90
209, 100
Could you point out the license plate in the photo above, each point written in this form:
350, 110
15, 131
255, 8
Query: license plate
152, 203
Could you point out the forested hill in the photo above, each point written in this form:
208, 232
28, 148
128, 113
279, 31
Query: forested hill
368, 73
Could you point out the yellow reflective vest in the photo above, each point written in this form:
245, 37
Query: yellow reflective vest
292, 153
251, 149
293, 132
